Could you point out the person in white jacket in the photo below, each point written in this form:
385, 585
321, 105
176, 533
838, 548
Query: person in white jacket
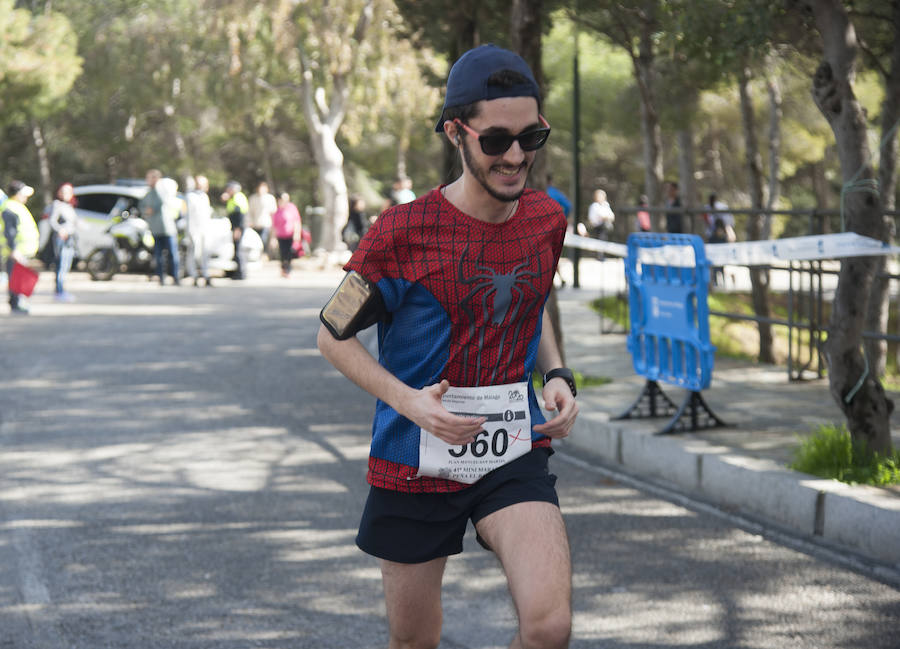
165, 231
262, 207
199, 215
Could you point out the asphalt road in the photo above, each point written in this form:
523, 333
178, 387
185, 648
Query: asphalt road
180, 469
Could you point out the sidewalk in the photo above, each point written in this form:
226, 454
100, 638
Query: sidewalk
742, 466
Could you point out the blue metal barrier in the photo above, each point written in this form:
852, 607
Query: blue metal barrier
668, 279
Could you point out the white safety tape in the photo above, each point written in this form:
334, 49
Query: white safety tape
749, 253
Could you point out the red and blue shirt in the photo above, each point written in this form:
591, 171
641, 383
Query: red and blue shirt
466, 298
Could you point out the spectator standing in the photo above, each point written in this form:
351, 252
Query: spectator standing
287, 228
402, 192
357, 223
199, 217
20, 239
556, 194
718, 217
64, 224
644, 222
150, 207
435, 293
719, 229
600, 216
261, 206
674, 217
237, 207
164, 229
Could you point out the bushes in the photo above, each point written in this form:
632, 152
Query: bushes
831, 453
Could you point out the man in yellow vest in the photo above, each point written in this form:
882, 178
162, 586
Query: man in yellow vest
20, 238
237, 207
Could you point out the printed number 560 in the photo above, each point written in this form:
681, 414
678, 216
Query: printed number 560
479, 447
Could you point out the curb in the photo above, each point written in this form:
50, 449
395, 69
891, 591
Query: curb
859, 518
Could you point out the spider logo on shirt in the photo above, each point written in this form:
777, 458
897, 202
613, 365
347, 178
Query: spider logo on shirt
503, 298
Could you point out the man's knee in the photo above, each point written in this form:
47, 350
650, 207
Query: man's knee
418, 639
549, 630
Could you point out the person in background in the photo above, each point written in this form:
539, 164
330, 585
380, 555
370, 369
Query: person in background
402, 191
261, 205
163, 227
64, 223
199, 216
674, 218
357, 223
718, 217
600, 216
719, 229
237, 207
286, 226
20, 238
556, 194
642, 217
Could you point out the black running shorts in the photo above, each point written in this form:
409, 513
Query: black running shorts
415, 528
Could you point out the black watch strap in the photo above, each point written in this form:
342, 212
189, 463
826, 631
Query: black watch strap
563, 373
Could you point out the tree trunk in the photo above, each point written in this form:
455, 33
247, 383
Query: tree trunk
685, 137
525, 36
880, 300
775, 115
854, 387
466, 30
650, 129
332, 184
40, 145
759, 275
324, 119
525, 39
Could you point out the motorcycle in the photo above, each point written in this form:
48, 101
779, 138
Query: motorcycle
129, 248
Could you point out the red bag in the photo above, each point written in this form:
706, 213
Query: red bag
301, 245
22, 280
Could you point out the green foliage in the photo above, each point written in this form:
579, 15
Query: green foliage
38, 63
830, 452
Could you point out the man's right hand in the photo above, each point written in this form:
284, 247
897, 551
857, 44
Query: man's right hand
426, 410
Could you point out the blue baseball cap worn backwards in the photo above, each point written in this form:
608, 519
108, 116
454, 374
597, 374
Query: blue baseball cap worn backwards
467, 82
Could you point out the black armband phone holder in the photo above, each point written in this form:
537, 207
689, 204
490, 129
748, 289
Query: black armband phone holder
356, 305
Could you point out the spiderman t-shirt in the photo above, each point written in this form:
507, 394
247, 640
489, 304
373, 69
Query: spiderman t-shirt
465, 299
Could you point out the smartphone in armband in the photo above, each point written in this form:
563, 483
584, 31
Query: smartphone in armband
356, 305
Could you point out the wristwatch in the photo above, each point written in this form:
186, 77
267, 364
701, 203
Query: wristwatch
563, 373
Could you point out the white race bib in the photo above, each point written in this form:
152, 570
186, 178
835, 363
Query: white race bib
505, 435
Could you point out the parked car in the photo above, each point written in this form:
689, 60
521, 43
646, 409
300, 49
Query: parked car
99, 207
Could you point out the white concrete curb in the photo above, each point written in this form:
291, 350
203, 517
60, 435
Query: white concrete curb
862, 519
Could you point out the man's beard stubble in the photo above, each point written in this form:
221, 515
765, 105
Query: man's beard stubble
481, 175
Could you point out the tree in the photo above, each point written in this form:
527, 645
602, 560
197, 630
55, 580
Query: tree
634, 27
855, 389
38, 65
734, 40
880, 42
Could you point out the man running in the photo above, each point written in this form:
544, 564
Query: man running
457, 281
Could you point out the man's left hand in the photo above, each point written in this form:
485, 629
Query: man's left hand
557, 396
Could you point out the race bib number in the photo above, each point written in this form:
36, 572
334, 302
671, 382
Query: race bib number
505, 435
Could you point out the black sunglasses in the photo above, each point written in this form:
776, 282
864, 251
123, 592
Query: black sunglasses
499, 143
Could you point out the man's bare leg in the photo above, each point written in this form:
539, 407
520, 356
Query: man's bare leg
530, 540
412, 593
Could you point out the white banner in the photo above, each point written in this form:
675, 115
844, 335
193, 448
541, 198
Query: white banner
751, 253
